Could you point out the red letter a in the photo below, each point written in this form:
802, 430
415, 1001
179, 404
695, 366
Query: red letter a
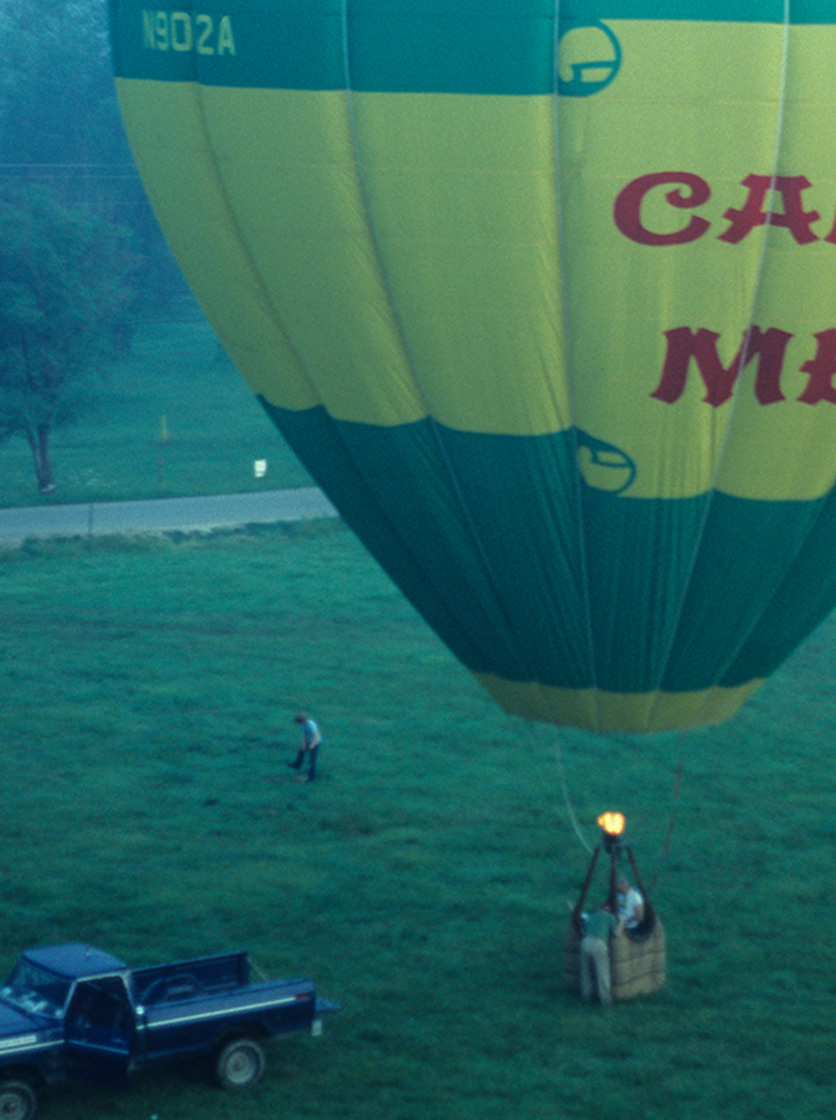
794, 218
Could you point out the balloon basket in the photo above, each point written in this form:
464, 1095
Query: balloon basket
638, 957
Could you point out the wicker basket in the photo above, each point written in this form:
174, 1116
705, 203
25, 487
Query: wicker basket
637, 964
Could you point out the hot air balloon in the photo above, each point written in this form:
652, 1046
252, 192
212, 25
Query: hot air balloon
544, 297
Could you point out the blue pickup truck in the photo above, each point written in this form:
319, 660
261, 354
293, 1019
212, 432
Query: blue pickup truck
75, 1011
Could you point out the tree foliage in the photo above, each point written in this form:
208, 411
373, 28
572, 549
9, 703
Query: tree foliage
64, 300
57, 100
60, 124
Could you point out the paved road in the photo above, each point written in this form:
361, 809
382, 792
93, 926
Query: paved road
222, 511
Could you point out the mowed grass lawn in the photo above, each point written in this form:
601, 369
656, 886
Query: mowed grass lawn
148, 690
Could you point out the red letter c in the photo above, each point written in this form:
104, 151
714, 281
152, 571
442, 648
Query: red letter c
627, 208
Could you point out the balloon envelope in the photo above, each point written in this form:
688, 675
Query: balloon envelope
544, 297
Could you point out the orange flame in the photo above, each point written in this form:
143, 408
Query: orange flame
612, 823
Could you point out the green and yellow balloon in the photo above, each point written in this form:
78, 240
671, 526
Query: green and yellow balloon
544, 297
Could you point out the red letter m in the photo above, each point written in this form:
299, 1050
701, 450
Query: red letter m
768, 347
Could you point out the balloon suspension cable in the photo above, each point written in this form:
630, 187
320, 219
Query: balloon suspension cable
677, 790
567, 801
573, 819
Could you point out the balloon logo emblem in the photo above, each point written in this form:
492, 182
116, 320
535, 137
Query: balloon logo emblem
603, 466
588, 59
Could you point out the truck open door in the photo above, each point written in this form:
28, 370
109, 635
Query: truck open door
99, 1030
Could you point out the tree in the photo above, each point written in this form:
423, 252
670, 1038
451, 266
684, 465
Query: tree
63, 314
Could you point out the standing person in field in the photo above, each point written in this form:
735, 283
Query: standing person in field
598, 928
311, 739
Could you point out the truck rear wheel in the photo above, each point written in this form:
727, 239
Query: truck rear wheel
17, 1101
239, 1065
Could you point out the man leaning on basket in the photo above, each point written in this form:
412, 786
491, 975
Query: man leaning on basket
598, 926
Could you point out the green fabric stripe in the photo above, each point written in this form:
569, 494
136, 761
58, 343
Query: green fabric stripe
701, 11
631, 596
369, 474
745, 609
434, 46
805, 598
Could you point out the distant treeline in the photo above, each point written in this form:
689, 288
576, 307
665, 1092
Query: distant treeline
60, 129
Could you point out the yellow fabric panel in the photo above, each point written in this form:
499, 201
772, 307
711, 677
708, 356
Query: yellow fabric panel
166, 128
462, 195
615, 711
291, 175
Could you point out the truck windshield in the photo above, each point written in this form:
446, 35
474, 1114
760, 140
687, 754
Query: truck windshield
35, 990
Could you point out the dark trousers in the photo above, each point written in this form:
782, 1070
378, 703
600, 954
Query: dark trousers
300, 758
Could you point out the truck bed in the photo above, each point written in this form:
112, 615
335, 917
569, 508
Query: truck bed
201, 976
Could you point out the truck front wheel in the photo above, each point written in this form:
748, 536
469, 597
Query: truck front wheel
17, 1101
239, 1065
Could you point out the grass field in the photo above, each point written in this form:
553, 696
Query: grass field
174, 418
148, 690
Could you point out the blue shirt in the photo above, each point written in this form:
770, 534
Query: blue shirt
600, 923
310, 733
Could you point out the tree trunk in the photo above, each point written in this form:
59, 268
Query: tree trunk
39, 442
